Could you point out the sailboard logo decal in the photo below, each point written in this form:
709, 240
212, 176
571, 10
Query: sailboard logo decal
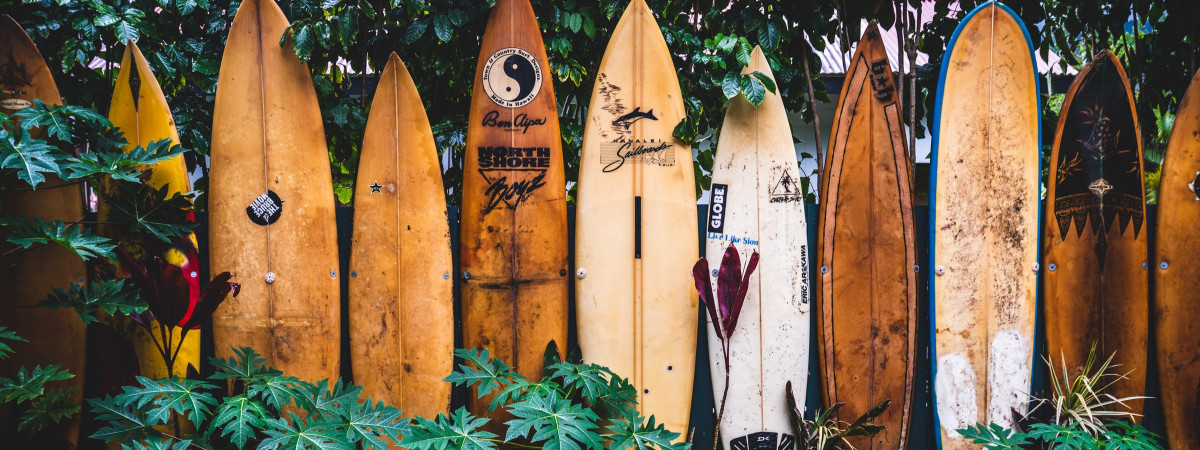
512, 77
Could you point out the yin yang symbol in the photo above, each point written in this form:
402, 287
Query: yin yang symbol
512, 77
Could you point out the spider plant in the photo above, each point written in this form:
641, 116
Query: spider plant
1084, 400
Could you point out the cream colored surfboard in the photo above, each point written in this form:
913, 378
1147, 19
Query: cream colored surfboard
984, 223
636, 224
758, 205
271, 219
401, 293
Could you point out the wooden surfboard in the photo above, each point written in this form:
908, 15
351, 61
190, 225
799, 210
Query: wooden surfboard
401, 293
1176, 269
635, 232
140, 110
758, 205
28, 276
514, 209
271, 217
1095, 285
867, 251
984, 223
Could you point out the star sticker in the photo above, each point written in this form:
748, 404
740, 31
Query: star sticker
1195, 186
376, 188
1100, 187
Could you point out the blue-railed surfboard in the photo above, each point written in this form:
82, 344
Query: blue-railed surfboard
636, 224
984, 223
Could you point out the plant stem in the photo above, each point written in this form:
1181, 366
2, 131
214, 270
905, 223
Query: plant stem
812, 106
724, 396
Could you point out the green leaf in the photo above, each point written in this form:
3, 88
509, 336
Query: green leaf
994, 437
282, 434
635, 433
158, 443
120, 165
372, 423
743, 52
124, 422
30, 383
460, 431
126, 31
239, 418
443, 28
730, 85
30, 157
302, 41
89, 300
348, 27
489, 374
766, 81
414, 31
754, 91
171, 395
54, 407
726, 43
555, 422
143, 209
338, 401
590, 380
185, 7
244, 365
27, 231
8, 335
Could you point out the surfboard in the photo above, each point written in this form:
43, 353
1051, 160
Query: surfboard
867, 251
28, 276
140, 110
635, 232
1176, 270
514, 212
271, 218
984, 223
1096, 282
757, 204
401, 291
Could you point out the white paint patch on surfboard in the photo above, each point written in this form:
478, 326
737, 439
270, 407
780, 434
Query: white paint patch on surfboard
1008, 376
955, 390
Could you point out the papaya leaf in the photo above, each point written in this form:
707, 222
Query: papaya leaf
30, 383
30, 158
554, 422
124, 422
104, 296
157, 212
240, 418
27, 231
55, 406
8, 335
482, 370
125, 166
302, 433
633, 432
459, 431
372, 423
171, 395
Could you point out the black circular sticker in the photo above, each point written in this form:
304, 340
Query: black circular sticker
265, 209
512, 77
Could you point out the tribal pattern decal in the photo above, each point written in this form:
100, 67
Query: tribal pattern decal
1098, 172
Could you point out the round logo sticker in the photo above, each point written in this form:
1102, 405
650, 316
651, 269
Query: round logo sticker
512, 77
265, 209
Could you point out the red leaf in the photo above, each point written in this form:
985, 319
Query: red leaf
728, 279
704, 288
216, 292
742, 289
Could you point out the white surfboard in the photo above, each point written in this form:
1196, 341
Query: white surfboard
758, 204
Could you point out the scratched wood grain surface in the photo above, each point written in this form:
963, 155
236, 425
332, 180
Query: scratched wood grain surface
514, 209
401, 290
867, 251
54, 337
762, 210
1095, 231
636, 224
271, 219
984, 224
1176, 270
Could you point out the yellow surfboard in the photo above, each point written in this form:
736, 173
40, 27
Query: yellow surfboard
141, 111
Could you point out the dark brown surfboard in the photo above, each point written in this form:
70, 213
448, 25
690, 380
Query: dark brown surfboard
1095, 285
867, 251
1176, 268
54, 337
514, 209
